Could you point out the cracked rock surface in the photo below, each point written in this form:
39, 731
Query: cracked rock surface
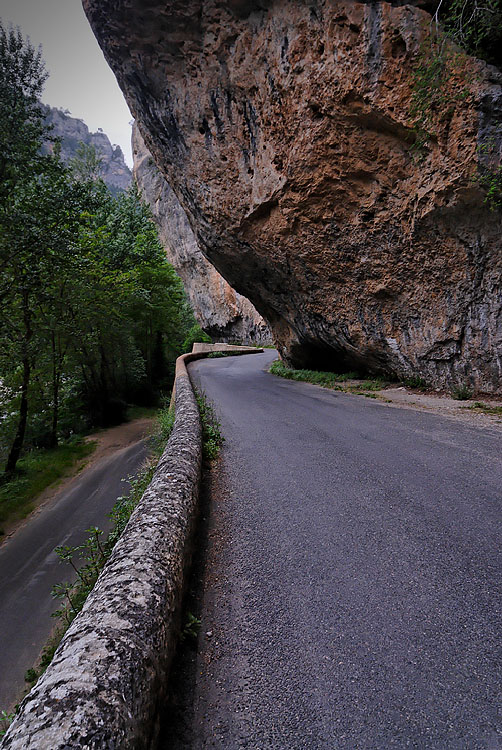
221, 311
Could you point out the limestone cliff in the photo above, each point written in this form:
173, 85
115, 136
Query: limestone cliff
220, 310
73, 131
285, 128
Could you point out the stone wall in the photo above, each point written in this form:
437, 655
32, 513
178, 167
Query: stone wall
110, 671
109, 675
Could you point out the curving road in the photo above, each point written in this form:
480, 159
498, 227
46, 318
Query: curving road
29, 567
352, 590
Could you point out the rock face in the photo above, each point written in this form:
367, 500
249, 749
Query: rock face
219, 309
286, 131
72, 131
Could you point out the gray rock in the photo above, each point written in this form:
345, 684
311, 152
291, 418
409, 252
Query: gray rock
73, 131
219, 309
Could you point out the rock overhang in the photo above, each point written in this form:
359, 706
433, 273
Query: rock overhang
285, 129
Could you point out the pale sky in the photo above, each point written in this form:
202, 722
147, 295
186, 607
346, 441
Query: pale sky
80, 79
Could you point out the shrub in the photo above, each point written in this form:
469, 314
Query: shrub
461, 393
195, 335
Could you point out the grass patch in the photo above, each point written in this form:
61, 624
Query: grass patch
371, 385
219, 355
37, 471
486, 408
416, 382
326, 379
141, 412
461, 393
334, 381
212, 439
5, 721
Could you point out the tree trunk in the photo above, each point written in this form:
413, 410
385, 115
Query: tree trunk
17, 445
55, 395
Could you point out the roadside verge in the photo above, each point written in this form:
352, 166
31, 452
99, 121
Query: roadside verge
109, 673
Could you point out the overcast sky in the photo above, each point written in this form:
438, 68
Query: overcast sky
80, 79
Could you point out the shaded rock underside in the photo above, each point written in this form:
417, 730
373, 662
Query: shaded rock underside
223, 313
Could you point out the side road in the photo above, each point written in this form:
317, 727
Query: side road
29, 567
109, 674
352, 591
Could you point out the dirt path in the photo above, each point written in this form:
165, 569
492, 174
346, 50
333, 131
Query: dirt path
439, 403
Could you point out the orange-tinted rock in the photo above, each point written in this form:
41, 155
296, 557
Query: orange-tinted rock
284, 128
219, 309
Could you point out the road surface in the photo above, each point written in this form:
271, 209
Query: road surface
351, 594
29, 566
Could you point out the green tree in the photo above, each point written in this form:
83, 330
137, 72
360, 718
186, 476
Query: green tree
91, 313
195, 335
22, 123
39, 235
22, 131
87, 164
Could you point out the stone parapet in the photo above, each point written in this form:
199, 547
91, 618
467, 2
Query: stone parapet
109, 674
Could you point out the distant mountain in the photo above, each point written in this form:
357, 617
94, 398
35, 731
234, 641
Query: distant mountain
72, 131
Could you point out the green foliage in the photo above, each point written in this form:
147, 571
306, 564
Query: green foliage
191, 628
486, 408
212, 439
92, 315
22, 124
461, 393
475, 25
416, 382
6, 720
165, 424
441, 76
38, 470
490, 179
371, 385
88, 559
325, 379
222, 355
195, 336
335, 381
31, 675
438, 88
87, 164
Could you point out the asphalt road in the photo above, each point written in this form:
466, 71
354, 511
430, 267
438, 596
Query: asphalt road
352, 591
29, 566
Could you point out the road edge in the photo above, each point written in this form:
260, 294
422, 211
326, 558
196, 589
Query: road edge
110, 672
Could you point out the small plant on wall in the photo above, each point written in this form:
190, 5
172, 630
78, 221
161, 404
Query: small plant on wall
443, 75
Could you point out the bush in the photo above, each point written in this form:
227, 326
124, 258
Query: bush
195, 335
461, 393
